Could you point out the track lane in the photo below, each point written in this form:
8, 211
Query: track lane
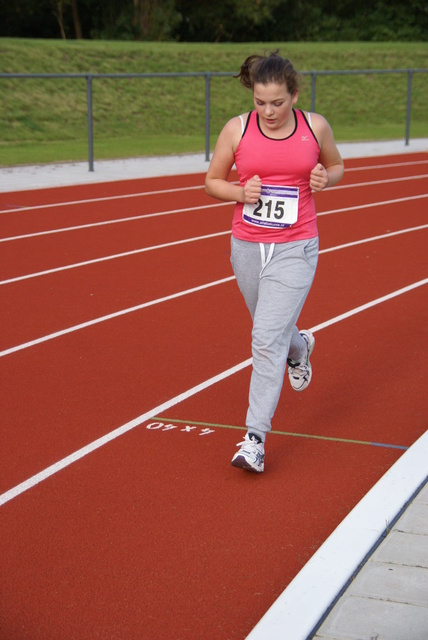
58, 301
155, 546
24, 256
83, 206
98, 289
93, 211
66, 194
15, 259
389, 161
358, 224
381, 171
366, 272
35, 253
162, 540
81, 386
394, 164
80, 244
163, 561
369, 193
365, 392
122, 367
359, 391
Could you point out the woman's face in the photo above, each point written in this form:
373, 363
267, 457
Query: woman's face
274, 105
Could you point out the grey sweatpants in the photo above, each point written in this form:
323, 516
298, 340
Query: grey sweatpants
275, 281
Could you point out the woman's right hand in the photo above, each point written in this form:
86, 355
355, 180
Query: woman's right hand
252, 190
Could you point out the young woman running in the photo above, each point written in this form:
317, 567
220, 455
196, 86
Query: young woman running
281, 154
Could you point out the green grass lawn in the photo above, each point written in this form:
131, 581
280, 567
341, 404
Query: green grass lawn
45, 120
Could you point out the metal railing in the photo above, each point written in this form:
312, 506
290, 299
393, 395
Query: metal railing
208, 75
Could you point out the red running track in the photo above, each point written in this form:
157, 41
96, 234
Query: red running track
121, 516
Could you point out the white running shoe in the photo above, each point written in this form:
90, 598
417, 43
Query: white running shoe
250, 456
300, 373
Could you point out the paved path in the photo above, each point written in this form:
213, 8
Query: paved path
58, 175
388, 600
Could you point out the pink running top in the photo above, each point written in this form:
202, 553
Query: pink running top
284, 215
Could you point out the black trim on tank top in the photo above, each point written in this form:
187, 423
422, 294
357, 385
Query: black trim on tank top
246, 124
278, 139
309, 127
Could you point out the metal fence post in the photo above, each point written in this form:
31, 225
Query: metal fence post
90, 123
409, 104
207, 115
314, 80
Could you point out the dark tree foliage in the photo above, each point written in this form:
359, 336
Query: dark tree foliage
225, 21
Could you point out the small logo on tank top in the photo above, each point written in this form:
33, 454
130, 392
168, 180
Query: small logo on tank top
305, 138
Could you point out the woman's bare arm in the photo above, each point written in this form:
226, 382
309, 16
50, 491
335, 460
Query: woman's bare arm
217, 182
330, 168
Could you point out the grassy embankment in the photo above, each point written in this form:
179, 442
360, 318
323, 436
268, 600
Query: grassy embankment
45, 120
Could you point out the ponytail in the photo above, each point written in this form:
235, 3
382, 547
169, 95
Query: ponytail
269, 68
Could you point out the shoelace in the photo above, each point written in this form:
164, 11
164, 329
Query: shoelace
302, 369
253, 444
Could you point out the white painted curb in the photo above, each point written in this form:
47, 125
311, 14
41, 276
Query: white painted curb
300, 607
77, 173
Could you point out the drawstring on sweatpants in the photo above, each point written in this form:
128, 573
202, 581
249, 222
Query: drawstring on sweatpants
268, 258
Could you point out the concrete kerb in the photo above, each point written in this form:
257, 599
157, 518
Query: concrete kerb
75, 173
304, 603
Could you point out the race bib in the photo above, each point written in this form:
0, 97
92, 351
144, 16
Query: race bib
277, 208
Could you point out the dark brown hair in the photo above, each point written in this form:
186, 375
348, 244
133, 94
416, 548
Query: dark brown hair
268, 68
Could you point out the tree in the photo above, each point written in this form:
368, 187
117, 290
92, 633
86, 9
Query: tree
76, 20
208, 21
58, 11
154, 19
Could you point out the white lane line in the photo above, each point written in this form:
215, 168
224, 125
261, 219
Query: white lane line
150, 303
116, 221
377, 182
166, 245
385, 166
369, 305
142, 194
354, 243
114, 256
84, 451
206, 206
373, 204
124, 196
81, 453
112, 316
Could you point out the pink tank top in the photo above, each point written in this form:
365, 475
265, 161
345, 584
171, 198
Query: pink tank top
286, 213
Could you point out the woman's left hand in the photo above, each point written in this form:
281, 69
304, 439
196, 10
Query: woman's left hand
319, 179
